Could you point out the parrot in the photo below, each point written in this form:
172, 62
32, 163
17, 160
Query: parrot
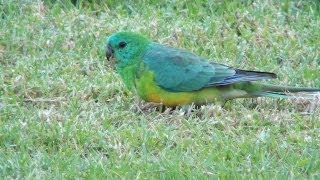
172, 76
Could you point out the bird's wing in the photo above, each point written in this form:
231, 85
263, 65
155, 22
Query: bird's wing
179, 70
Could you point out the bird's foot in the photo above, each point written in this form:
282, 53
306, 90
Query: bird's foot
143, 106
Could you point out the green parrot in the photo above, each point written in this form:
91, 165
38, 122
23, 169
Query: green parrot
172, 77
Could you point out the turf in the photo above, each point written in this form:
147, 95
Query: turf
65, 113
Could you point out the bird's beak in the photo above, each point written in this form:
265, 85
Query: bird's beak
109, 52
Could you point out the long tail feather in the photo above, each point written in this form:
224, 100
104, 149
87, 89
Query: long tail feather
287, 89
270, 94
277, 91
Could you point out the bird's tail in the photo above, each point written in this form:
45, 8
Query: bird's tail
278, 91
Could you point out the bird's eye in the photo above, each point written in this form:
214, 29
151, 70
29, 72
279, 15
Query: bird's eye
122, 44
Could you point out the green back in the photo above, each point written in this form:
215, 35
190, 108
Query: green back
179, 70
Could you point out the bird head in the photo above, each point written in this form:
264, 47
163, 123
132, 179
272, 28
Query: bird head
125, 47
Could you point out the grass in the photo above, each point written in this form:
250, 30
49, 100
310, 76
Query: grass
65, 113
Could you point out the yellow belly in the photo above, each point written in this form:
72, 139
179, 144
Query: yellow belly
151, 92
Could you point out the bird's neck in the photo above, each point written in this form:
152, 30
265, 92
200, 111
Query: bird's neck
129, 74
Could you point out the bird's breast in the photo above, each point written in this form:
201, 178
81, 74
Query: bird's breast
148, 90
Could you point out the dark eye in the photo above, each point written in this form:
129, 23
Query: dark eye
122, 44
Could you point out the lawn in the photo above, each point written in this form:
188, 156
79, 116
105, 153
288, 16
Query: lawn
65, 113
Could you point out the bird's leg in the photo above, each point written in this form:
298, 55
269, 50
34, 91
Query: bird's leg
147, 106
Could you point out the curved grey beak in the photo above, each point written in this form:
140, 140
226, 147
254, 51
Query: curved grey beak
109, 52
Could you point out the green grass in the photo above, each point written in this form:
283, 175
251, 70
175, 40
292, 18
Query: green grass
65, 113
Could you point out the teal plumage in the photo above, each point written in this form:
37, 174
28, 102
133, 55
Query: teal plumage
179, 70
172, 76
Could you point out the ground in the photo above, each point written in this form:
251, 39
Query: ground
65, 113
